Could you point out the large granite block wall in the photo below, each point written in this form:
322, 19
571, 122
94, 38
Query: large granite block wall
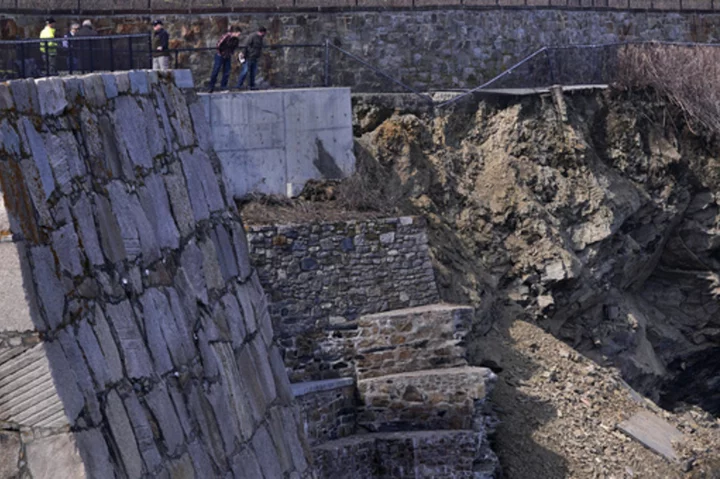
135, 339
449, 47
321, 277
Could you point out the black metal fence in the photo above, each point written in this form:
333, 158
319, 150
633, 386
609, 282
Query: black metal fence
38, 58
296, 66
311, 65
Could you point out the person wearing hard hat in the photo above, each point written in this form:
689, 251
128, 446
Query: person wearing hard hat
48, 49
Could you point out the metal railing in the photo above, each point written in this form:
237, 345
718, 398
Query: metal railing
281, 66
298, 66
568, 65
312, 65
35, 58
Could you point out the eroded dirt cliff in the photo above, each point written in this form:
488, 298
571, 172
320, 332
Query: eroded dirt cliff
596, 212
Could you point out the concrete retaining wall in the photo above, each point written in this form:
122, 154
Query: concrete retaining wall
134, 336
273, 142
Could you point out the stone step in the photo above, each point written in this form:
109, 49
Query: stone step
414, 339
432, 399
407, 455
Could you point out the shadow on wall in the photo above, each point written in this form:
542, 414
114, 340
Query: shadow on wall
325, 163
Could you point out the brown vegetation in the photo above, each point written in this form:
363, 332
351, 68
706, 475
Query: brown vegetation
688, 75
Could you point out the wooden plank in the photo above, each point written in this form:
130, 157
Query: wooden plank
653, 432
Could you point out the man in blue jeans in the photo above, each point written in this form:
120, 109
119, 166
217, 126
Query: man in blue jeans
253, 52
223, 57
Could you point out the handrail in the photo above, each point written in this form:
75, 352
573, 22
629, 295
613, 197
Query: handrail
382, 73
269, 46
74, 39
492, 80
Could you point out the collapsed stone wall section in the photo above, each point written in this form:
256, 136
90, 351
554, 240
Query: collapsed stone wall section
141, 301
322, 277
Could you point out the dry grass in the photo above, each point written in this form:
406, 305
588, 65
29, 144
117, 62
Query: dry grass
687, 75
364, 195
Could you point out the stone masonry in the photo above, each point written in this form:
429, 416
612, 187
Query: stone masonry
135, 339
455, 46
387, 343
202, 6
403, 402
322, 277
330, 408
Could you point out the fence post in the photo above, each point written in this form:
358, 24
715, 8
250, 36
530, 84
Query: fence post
47, 58
130, 55
150, 38
23, 73
71, 59
550, 68
177, 54
112, 56
327, 62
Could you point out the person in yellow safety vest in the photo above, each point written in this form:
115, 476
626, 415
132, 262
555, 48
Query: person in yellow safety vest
49, 49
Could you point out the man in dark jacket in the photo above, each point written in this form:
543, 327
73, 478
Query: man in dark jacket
73, 59
87, 29
223, 57
89, 53
160, 46
253, 52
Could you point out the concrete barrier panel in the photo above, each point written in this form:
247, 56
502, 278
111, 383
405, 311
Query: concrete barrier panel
273, 142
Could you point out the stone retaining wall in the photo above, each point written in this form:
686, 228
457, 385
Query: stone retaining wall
389, 343
417, 455
424, 47
199, 6
328, 408
144, 331
434, 399
322, 277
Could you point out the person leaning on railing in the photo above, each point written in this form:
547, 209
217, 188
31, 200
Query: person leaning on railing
48, 49
160, 46
226, 47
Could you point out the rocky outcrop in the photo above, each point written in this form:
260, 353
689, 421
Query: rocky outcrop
595, 214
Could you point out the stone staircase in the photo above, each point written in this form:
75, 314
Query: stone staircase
379, 365
421, 409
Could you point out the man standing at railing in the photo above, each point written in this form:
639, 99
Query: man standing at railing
226, 48
48, 49
73, 60
253, 52
161, 47
89, 54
